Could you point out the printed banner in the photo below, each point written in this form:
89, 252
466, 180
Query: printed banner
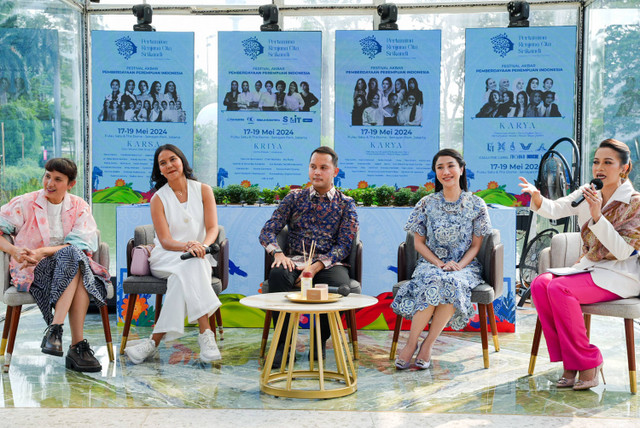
387, 116
379, 271
519, 99
269, 100
142, 98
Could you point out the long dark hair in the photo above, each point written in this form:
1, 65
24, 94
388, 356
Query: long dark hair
372, 91
154, 92
415, 91
491, 101
412, 114
458, 157
174, 95
526, 102
160, 179
529, 89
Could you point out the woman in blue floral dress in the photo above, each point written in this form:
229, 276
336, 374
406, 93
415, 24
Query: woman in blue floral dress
448, 227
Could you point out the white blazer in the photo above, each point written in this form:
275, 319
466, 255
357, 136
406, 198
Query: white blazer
620, 276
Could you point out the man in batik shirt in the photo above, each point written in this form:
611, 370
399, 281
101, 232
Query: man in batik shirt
319, 213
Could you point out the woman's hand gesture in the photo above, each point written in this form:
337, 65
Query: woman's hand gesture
532, 190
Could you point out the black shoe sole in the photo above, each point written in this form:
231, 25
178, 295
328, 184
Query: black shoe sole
277, 362
70, 364
52, 352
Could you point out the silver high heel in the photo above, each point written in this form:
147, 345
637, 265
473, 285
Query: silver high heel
403, 365
581, 385
564, 382
420, 363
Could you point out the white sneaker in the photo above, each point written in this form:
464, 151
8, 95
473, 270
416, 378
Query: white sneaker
208, 347
140, 351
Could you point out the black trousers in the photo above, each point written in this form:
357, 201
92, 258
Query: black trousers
281, 279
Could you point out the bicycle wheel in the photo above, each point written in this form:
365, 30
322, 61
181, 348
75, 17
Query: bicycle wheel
529, 260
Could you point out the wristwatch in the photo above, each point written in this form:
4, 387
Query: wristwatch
277, 250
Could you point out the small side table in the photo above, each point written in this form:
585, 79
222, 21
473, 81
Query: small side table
345, 375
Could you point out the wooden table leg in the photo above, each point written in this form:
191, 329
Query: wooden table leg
292, 350
345, 375
312, 335
339, 346
347, 350
287, 354
266, 370
319, 353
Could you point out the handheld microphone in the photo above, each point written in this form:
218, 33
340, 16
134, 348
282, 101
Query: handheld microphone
211, 249
598, 185
344, 289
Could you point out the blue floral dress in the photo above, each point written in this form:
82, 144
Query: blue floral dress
449, 228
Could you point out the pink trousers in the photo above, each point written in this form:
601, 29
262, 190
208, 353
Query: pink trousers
557, 300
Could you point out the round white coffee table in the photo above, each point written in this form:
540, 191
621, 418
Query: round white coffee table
344, 376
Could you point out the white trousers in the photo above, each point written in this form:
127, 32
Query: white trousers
189, 292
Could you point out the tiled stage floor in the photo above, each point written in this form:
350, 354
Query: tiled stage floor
177, 390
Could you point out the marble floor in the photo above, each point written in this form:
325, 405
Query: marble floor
456, 390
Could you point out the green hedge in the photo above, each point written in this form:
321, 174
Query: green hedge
23, 177
369, 196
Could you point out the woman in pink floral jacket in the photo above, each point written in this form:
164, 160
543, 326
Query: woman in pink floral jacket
54, 236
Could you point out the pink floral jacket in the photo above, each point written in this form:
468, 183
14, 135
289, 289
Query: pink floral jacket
25, 218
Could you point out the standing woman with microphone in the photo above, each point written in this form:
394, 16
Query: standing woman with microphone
610, 230
185, 220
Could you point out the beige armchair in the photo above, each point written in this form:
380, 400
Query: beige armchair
15, 299
491, 256
564, 251
134, 285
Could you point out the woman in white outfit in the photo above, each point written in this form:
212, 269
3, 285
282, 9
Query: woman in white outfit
185, 220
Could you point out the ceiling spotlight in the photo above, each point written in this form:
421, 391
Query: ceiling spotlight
518, 13
269, 13
144, 14
388, 16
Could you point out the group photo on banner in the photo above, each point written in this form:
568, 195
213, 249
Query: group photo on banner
272, 98
142, 97
524, 80
391, 103
387, 112
517, 101
269, 106
138, 103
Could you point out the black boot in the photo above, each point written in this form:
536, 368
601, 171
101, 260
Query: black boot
52, 340
324, 351
80, 358
277, 360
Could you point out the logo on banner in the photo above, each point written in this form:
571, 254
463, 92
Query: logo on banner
370, 46
126, 47
252, 47
502, 45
